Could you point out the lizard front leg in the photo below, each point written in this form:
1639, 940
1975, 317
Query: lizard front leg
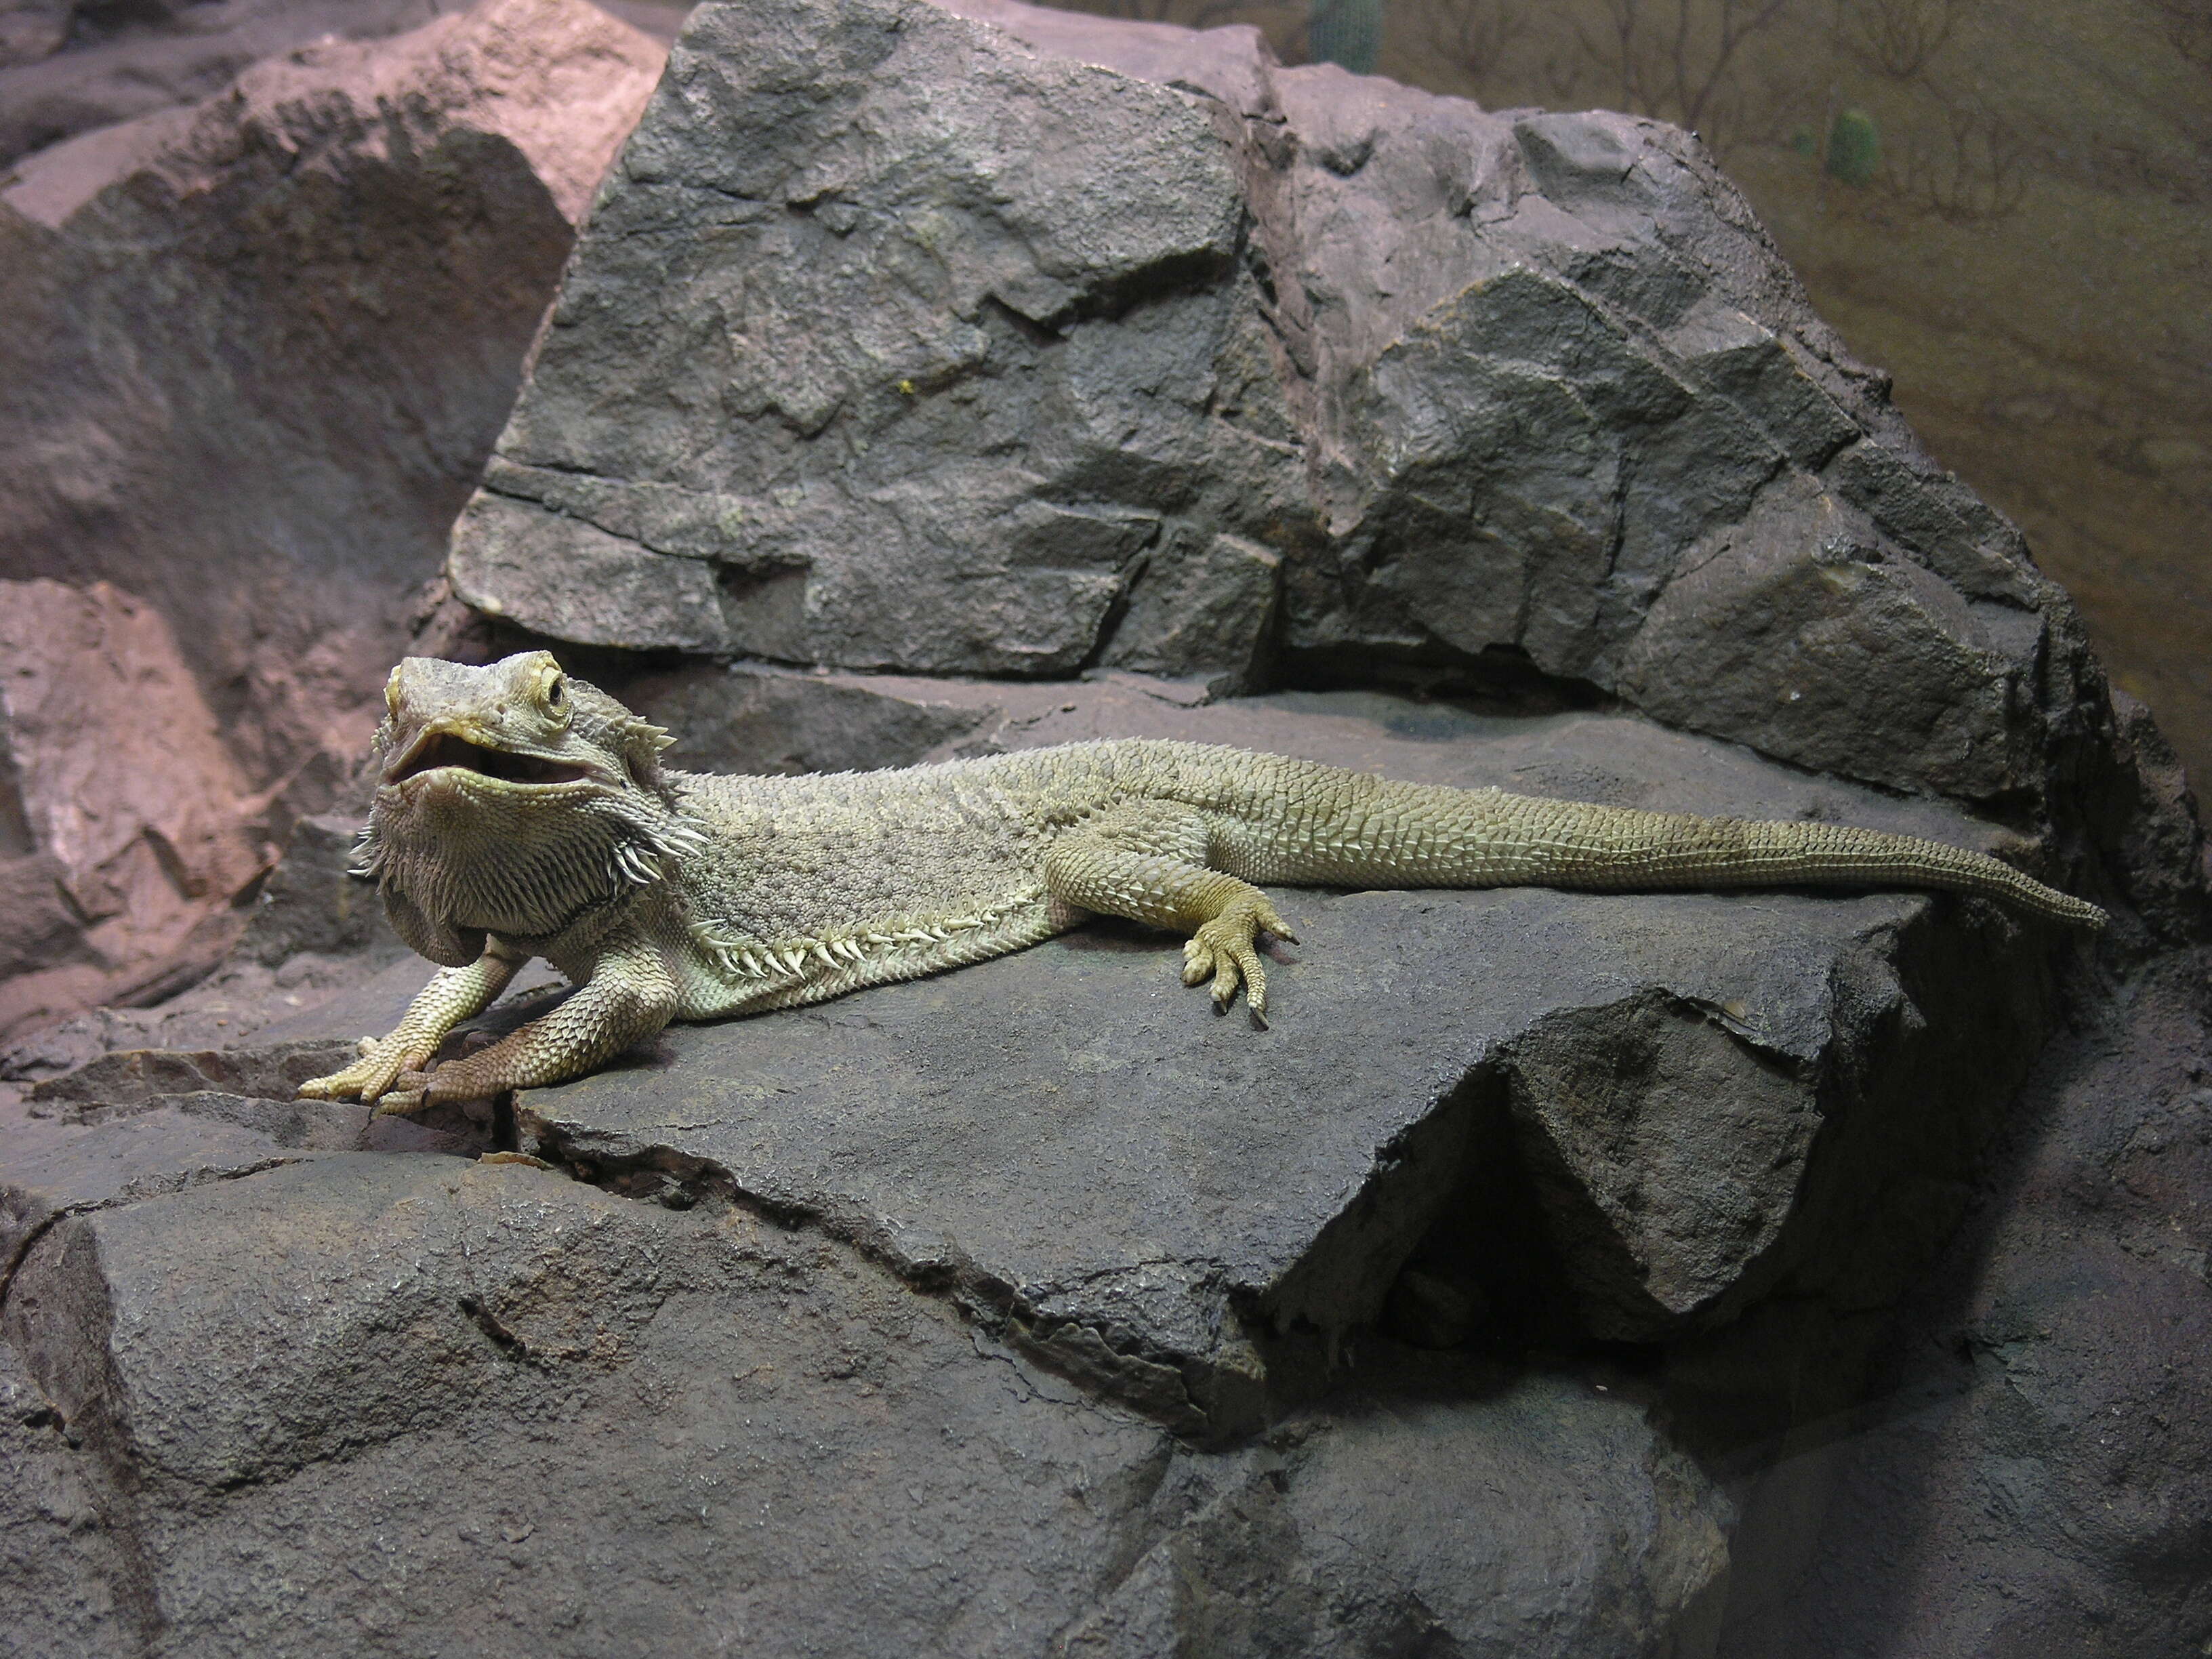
628, 996
453, 996
1148, 864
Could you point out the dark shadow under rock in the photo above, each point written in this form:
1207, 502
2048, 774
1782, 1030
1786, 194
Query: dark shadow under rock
2032, 1472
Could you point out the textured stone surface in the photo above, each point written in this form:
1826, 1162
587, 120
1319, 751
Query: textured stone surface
896, 1360
2036, 1477
1150, 353
72, 66
1566, 1114
470, 1407
252, 356
310, 901
67, 68
125, 831
130, 1076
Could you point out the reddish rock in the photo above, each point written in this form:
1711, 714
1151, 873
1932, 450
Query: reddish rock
69, 66
253, 356
131, 826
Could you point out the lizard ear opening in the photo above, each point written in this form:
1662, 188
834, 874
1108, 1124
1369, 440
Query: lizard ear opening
632, 739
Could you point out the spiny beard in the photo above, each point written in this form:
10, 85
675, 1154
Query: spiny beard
513, 863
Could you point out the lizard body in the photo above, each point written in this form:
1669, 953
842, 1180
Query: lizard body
522, 813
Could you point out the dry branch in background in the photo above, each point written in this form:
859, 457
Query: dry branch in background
1971, 170
1681, 62
1474, 36
2188, 27
1897, 38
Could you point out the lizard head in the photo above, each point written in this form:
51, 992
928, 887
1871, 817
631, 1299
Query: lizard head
518, 728
512, 797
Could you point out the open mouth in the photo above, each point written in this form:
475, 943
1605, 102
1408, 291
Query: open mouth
430, 753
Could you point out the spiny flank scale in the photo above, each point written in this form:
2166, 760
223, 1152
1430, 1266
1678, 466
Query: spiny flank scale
521, 813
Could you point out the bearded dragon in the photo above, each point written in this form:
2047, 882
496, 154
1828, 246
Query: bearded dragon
523, 813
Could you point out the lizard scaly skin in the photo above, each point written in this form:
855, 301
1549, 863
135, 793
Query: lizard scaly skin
523, 813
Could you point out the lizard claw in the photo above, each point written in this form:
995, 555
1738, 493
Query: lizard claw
438, 1086
412, 1095
1222, 950
368, 1079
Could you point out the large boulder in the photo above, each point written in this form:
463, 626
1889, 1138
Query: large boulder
1033, 1308
977, 339
1309, 1312
253, 353
325, 1400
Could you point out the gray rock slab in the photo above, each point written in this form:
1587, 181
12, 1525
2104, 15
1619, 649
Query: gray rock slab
1621, 1543
136, 1122
130, 1076
68, 1576
51, 1170
420, 1406
995, 340
1696, 1084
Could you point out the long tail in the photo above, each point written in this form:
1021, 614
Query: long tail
1385, 834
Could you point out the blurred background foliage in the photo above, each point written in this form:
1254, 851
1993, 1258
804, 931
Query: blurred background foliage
2005, 203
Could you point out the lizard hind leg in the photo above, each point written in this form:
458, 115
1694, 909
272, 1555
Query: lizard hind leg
1148, 861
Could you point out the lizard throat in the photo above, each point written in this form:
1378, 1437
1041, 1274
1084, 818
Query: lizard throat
502, 858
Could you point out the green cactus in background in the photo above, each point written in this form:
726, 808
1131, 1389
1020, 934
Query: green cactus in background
1346, 32
1854, 148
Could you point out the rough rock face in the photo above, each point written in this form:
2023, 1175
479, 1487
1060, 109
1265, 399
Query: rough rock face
1030, 1309
1151, 353
126, 828
68, 66
1477, 1306
252, 354
737, 1434
2037, 1477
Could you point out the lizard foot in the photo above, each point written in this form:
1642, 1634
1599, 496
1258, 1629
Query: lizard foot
368, 1079
413, 1090
1222, 950
409, 1093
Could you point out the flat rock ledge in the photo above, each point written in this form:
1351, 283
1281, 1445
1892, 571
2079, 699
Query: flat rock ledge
1680, 1095
1029, 1308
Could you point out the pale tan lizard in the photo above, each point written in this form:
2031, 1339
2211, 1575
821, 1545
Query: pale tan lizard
523, 813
